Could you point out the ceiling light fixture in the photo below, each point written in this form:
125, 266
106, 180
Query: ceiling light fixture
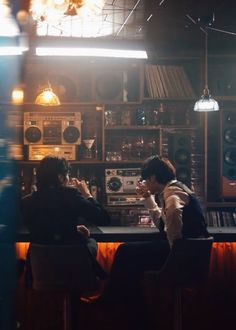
97, 52
47, 97
8, 26
206, 103
12, 50
52, 10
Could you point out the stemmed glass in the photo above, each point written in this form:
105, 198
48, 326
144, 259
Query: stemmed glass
126, 149
139, 145
88, 143
152, 146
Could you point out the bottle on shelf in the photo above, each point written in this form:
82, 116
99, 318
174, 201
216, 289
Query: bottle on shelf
141, 117
187, 117
94, 187
155, 116
162, 114
33, 187
23, 188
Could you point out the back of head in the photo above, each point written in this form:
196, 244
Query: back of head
162, 168
49, 170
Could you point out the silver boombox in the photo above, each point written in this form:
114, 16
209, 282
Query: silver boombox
49, 128
122, 180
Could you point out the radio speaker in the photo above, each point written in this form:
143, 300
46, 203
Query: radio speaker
180, 155
109, 86
228, 154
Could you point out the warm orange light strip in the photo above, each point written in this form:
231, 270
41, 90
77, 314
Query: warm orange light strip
105, 256
223, 258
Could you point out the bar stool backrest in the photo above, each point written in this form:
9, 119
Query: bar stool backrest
188, 262
66, 267
7, 268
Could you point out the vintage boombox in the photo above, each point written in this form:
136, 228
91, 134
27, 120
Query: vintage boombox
121, 180
50, 128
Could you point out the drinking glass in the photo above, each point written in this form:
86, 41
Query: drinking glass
139, 146
88, 143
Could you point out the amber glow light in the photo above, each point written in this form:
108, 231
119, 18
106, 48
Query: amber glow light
52, 10
17, 96
47, 98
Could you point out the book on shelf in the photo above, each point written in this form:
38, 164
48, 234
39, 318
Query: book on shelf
218, 218
168, 81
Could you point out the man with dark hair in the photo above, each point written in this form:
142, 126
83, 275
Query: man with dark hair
181, 214
178, 215
60, 209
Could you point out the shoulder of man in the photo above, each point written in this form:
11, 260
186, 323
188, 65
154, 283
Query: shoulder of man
181, 186
177, 190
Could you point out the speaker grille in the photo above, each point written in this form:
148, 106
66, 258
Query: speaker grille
228, 154
180, 154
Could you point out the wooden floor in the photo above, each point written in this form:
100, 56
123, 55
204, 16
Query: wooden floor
212, 308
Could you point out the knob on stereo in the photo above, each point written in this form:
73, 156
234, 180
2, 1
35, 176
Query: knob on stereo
114, 184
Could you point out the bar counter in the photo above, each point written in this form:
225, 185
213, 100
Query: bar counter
218, 296
110, 237
128, 234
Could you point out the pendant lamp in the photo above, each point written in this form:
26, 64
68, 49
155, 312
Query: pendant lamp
47, 97
206, 103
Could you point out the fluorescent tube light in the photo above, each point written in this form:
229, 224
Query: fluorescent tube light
10, 51
97, 52
8, 28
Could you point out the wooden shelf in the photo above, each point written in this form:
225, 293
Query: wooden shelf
220, 204
150, 127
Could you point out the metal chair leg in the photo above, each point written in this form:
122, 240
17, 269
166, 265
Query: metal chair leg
178, 309
67, 312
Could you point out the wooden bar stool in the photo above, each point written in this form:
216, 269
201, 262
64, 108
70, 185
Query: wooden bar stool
67, 268
187, 266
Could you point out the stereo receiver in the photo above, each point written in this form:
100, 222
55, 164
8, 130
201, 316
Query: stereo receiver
122, 180
124, 199
38, 152
50, 128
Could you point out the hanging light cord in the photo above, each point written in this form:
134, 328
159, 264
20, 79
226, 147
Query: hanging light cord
206, 90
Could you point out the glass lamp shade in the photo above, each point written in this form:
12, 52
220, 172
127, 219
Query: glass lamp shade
47, 98
206, 104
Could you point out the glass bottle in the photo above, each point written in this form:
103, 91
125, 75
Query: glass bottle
94, 187
141, 118
23, 189
161, 114
33, 187
155, 115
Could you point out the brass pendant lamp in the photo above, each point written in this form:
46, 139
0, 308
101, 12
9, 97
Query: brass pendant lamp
47, 97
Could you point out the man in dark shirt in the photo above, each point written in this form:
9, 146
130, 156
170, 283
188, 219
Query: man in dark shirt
60, 209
